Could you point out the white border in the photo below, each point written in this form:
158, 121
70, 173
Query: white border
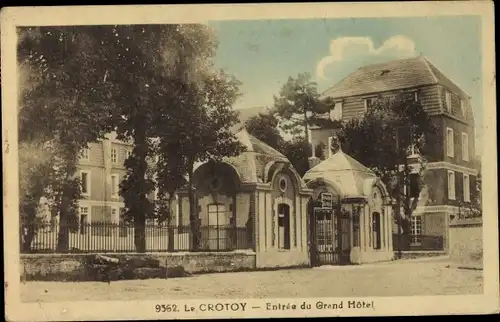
39, 16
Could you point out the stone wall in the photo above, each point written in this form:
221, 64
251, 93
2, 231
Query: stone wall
59, 267
466, 243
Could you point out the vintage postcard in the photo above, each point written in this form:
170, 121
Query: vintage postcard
250, 160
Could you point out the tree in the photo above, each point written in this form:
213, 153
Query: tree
265, 128
297, 101
62, 104
36, 172
298, 151
194, 124
149, 67
382, 140
210, 138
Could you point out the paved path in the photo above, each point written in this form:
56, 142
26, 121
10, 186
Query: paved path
401, 278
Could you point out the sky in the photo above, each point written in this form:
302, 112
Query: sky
262, 54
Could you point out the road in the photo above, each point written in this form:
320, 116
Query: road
405, 278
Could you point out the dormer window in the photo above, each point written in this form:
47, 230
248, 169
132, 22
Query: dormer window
336, 113
384, 72
463, 106
448, 101
368, 103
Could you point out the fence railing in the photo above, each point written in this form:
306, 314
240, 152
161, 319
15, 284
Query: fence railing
110, 237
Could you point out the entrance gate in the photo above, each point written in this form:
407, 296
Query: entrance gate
330, 236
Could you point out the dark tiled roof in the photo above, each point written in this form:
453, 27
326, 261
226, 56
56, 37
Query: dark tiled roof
396, 74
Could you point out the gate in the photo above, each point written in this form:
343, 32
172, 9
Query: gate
330, 236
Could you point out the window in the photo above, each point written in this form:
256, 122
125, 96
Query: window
114, 155
451, 185
283, 226
414, 185
465, 146
463, 106
282, 184
115, 185
84, 217
336, 113
85, 182
213, 232
217, 215
466, 185
448, 101
377, 240
85, 154
368, 103
450, 144
416, 229
415, 96
129, 153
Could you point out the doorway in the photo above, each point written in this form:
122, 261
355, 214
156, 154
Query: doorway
330, 236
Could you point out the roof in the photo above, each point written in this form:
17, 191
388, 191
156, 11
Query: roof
346, 172
251, 164
392, 75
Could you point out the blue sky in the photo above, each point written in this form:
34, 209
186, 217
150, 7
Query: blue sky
262, 54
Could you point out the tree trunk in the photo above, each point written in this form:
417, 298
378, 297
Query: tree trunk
170, 227
193, 211
140, 205
63, 235
306, 123
140, 233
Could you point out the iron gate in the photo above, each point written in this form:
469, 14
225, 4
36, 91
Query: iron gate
330, 237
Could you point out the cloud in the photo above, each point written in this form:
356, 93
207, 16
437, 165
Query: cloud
349, 48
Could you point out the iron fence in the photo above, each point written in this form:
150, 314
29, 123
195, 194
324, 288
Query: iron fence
111, 237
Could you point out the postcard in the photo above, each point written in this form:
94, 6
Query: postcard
249, 160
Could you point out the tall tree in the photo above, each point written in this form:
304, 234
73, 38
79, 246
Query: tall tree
265, 128
179, 116
393, 128
297, 101
61, 102
153, 64
208, 136
91, 80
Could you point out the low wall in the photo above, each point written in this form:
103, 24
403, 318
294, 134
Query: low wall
466, 243
419, 254
274, 258
59, 267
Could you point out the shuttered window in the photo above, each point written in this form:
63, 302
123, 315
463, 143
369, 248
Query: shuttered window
450, 144
451, 185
